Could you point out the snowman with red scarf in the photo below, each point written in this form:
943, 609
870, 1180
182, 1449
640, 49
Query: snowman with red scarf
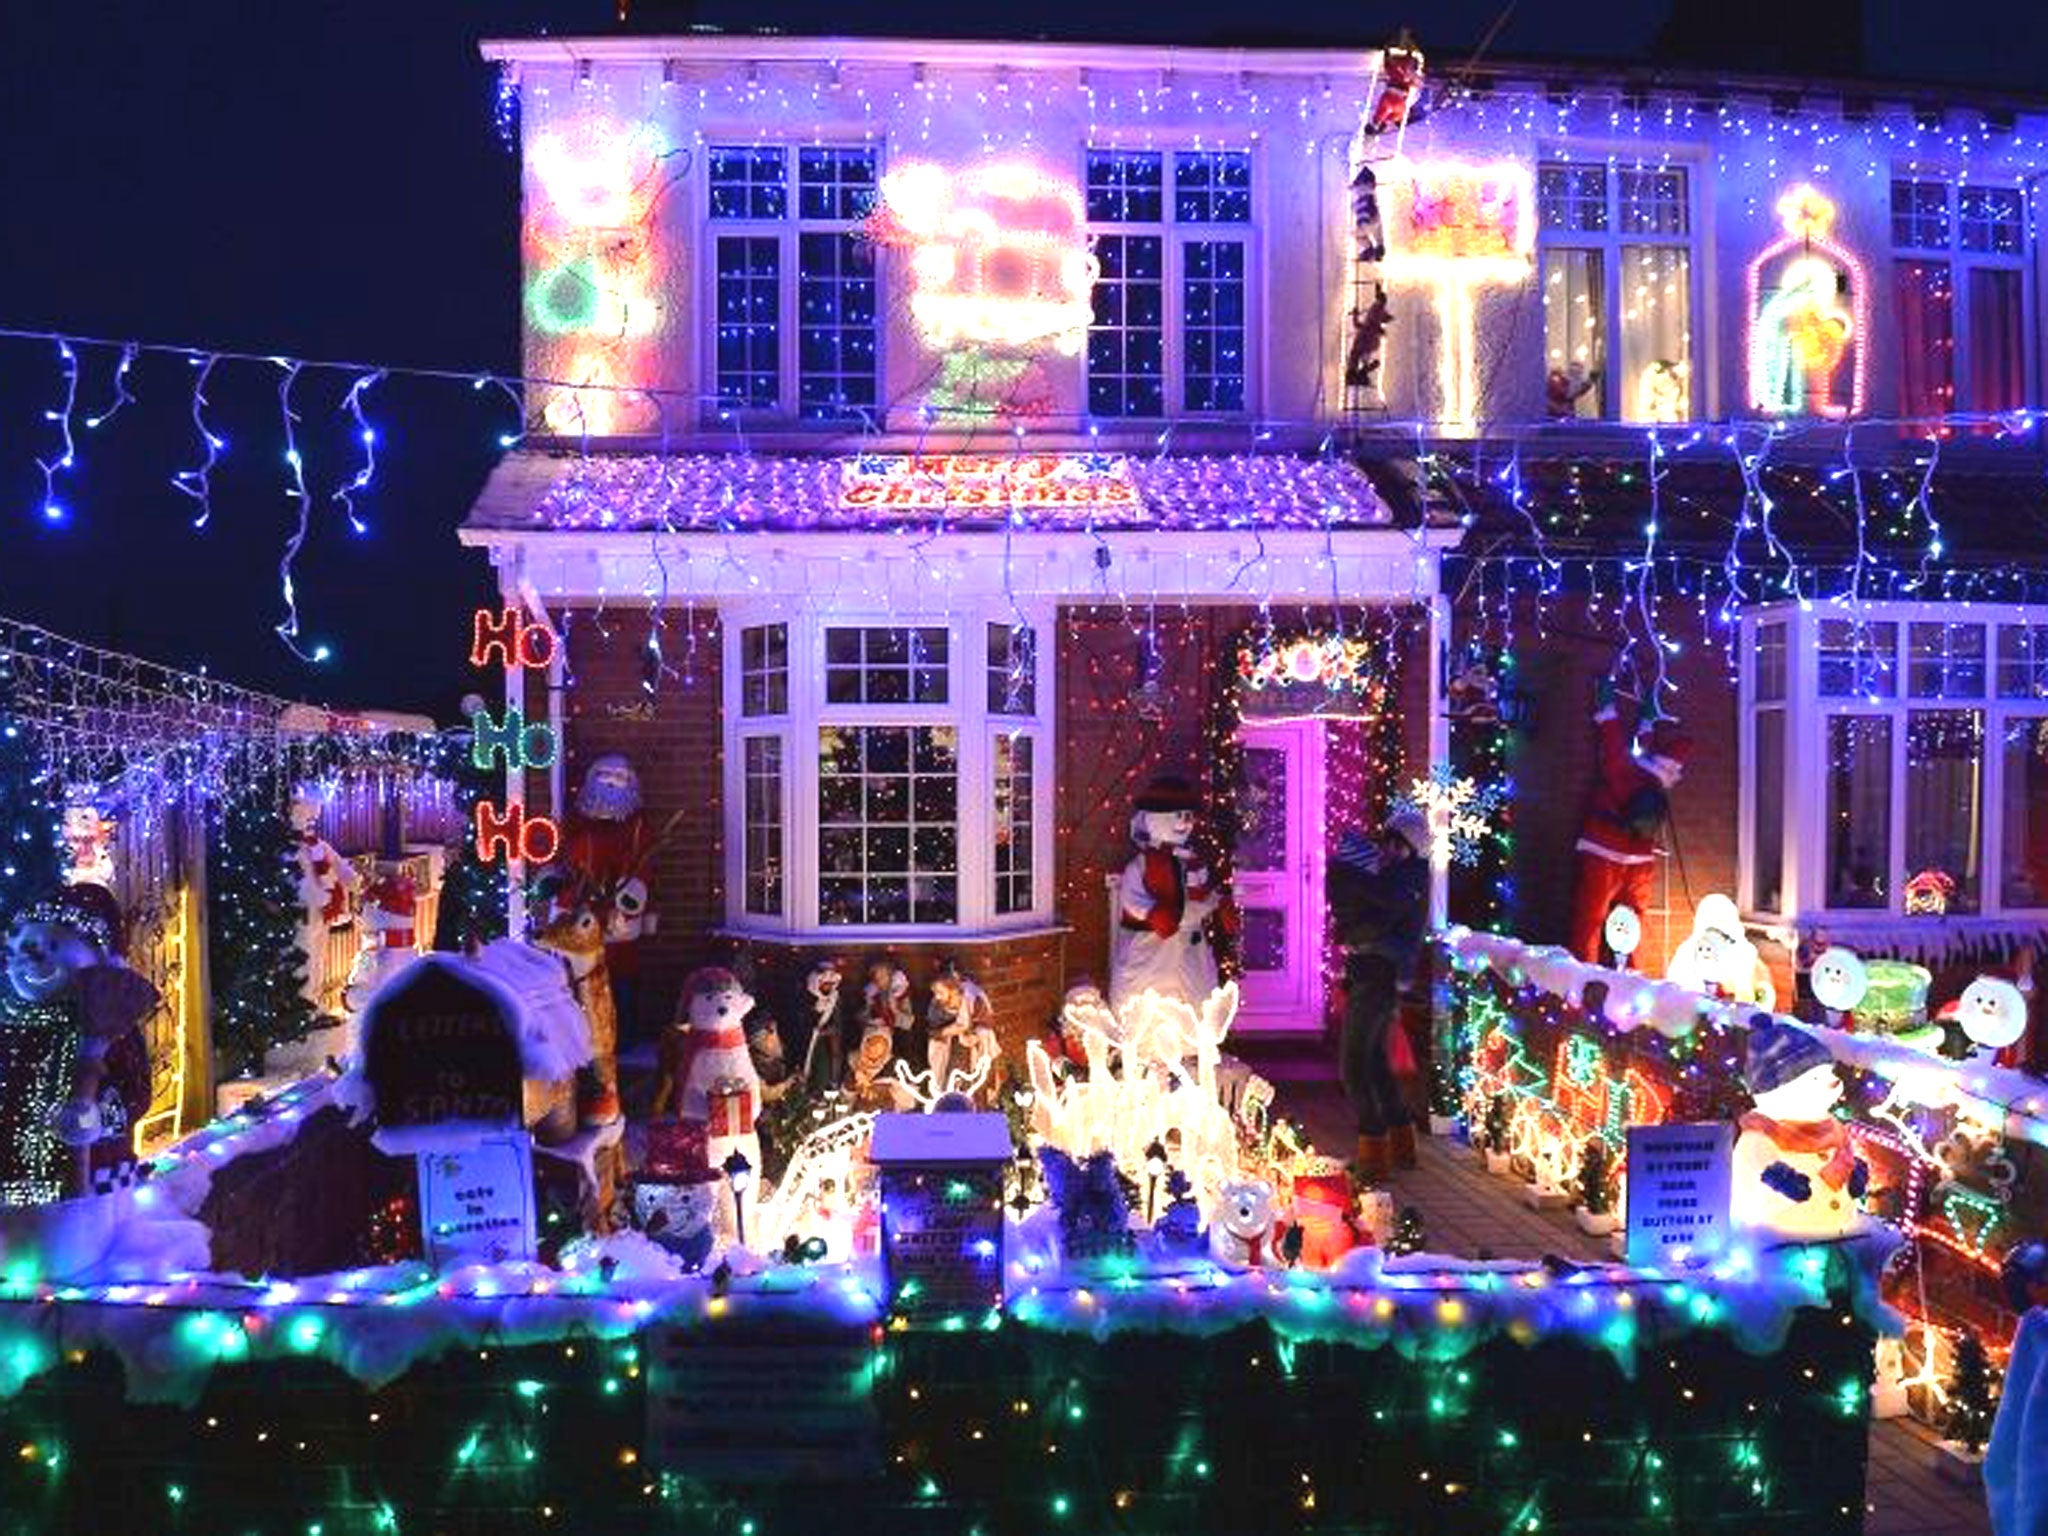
390, 903
1165, 898
1796, 1173
709, 1070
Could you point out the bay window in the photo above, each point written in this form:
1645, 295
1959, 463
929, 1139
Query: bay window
1895, 764
887, 775
1617, 274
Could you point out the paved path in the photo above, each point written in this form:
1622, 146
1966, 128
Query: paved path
1469, 1213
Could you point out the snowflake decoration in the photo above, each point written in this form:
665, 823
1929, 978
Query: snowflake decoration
1459, 812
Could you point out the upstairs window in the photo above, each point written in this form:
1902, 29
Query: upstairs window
1617, 291
1959, 286
796, 312
1170, 236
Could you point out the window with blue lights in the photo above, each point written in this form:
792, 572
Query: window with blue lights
778, 260
1170, 231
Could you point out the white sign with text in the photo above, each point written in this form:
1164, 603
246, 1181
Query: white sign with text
1678, 1184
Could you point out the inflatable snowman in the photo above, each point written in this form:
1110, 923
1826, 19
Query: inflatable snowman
1796, 1175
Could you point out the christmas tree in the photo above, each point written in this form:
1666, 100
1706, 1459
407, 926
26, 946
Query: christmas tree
472, 909
31, 823
253, 918
1593, 1166
1970, 1401
1407, 1236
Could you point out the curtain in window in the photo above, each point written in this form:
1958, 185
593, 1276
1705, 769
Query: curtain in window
1925, 303
1997, 349
1656, 333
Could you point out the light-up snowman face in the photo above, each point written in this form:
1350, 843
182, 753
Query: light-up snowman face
1167, 829
1839, 979
1624, 931
1993, 1013
1806, 1098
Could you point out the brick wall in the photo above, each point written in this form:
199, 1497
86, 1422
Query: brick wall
1553, 764
673, 738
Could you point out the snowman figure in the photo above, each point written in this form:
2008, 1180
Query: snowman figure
389, 904
1623, 932
707, 1073
1839, 982
1164, 900
1796, 1175
1993, 1015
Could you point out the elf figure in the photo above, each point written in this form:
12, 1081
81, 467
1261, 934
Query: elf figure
1630, 801
1164, 899
607, 843
325, 880
959, 1031
1796, 1172
74, 1069
390, 903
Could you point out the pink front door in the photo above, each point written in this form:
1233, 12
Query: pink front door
1278, 877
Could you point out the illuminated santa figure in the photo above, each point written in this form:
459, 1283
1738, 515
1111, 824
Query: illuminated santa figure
325, 880
1165, 898
1796, 1172
1625, 813
607, 843
390, 904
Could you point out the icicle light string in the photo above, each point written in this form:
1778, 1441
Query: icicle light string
367, 436
53, 509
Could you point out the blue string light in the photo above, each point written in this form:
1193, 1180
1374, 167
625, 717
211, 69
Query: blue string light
54, 510
121, 395
288, 630
367, 436
198, 483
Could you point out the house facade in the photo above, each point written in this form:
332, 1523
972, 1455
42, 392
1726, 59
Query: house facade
944, 439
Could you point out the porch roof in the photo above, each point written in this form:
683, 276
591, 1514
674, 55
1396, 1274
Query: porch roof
537, 491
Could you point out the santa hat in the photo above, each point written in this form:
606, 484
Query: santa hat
1668, 742
89, 908
1778, 1053
1168, 792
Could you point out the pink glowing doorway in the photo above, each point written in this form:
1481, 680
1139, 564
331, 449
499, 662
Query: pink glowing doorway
1278, 875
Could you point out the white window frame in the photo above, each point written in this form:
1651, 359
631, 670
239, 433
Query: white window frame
1175, 238
1961, 263
1803, 881
1610, 243
966, 709
787, 231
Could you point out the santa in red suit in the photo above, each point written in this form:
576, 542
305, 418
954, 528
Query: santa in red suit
606, 841
1631, 799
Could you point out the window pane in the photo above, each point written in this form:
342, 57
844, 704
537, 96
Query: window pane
763, 836
1945, 661
1212, 187
1767, 826
764, 669
1572, 197
1858, 661
1990, 220
888, 808
2023, 661
1126, 186
1574, 333
1656, 332
1013, 823
1920, 215
1012, 670
1212, 325
1653, 202
749, 300
887, 665
836, 184
837, 326
1859, 811
748, 182
1925, 299
1127, 335
1944, 799
2025, 856
1998, 379
1770, 663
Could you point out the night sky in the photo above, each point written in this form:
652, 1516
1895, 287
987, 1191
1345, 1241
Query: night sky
326, 180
